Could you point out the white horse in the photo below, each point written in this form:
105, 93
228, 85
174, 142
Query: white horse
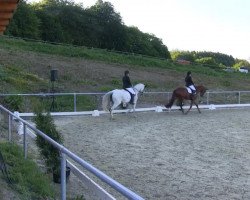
116, 97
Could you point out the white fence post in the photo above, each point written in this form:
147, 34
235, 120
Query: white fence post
74, 102
9, 127
239, 97
24, 141
63, 176
207, 98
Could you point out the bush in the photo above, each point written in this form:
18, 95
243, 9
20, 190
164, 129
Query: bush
13, 103
45, 123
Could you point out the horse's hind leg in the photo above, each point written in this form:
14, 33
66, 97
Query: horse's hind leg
111, 114
181, 104
112, 109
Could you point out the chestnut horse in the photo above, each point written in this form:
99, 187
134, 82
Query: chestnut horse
182, 94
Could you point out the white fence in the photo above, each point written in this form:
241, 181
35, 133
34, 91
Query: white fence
73, 102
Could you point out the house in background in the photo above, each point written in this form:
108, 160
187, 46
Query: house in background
243, 69
183, 62
7, 8
229, 69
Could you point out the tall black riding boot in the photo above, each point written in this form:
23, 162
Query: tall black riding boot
193, 94
132, 99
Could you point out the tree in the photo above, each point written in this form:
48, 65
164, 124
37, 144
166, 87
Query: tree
110, 27
218, 57
24, 23
99, 26
183, 55
50, 27
207, 61
241, 63
144, 43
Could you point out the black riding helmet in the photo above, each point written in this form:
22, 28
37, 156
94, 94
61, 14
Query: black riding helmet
126, 72
188, 73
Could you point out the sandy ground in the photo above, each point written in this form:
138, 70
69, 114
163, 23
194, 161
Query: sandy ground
167, 155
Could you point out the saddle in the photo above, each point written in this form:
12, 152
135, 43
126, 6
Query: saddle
131, 96
190, 91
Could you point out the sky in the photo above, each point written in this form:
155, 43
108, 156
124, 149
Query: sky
190, 25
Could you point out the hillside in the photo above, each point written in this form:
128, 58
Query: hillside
25, 68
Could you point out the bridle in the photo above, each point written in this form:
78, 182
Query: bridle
140, 92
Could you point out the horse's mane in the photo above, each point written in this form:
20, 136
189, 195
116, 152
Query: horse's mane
201, 86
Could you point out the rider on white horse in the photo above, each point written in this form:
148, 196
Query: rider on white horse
190, 83
128, 86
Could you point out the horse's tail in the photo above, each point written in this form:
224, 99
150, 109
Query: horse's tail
106, 101
171, 102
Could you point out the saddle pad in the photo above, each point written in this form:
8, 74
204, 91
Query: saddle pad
189, 90
130, 90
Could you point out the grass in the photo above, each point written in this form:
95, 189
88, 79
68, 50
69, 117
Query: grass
110, 57
18, 80
27, 178
84, 52
99, 54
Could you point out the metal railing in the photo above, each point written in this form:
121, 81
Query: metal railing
75, 101
64, 152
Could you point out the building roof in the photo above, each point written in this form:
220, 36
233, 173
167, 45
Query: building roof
7, 8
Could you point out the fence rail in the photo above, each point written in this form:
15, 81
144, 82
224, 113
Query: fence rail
68, 102
65, 153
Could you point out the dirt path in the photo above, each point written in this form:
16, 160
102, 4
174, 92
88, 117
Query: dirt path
168, 155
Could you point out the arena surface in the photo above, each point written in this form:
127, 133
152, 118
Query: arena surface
168, 155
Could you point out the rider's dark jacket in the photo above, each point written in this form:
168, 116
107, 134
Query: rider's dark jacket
126, 82
189, 81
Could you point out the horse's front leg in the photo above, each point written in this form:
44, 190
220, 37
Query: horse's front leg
197, 106
191, 104
135, 102
132, 109
134, 105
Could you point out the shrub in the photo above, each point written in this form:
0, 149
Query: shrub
45, 123
13, 103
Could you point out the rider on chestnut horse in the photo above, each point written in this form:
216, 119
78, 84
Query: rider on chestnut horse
190, 83
181, 93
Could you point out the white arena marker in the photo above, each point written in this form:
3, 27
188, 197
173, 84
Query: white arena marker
158, 109
212, 107
96, 113
19, 125
16, 114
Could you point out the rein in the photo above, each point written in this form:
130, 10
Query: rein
137, 90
